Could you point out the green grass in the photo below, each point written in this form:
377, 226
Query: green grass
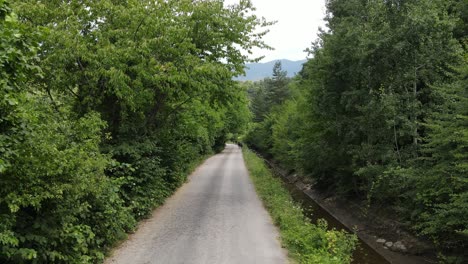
305, 242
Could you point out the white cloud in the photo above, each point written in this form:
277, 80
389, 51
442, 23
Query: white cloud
297, 27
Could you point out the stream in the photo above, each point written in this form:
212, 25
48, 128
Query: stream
363, 253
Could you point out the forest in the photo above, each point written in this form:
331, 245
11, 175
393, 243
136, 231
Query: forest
379, 114
105, 106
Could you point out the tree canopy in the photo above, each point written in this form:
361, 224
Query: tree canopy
105, 107
378, 113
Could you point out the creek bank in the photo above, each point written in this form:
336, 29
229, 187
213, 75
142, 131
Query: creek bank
398, 246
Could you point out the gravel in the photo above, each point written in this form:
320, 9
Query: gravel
214, 218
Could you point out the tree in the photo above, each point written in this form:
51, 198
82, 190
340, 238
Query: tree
370, 86
258, 100
134, 93
441, 199
277, 86
381, 113
55, 203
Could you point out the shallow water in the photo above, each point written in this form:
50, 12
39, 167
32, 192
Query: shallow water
363, 253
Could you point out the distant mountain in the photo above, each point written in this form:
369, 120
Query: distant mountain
259, 71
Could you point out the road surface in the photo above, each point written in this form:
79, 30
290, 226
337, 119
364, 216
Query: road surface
216, 217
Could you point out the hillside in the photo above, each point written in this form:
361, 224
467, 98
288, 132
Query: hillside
258, 71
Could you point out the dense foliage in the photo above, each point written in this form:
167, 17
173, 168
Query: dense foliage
306, 242
104, 107
379, 113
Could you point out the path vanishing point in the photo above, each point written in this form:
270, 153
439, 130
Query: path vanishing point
216, 217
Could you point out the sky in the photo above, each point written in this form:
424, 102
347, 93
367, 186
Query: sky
296, 29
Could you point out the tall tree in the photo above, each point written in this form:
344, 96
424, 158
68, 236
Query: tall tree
381, 115
372, 74
259, 104
277, 86
440, 173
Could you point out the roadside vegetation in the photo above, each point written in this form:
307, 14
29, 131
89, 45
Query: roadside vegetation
104, 106
306, 242
379, 114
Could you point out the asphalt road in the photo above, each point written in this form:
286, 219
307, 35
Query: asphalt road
216, 217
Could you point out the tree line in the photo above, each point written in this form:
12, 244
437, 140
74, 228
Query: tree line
380, 113
104, 107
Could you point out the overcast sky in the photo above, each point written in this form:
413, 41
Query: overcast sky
297, 27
